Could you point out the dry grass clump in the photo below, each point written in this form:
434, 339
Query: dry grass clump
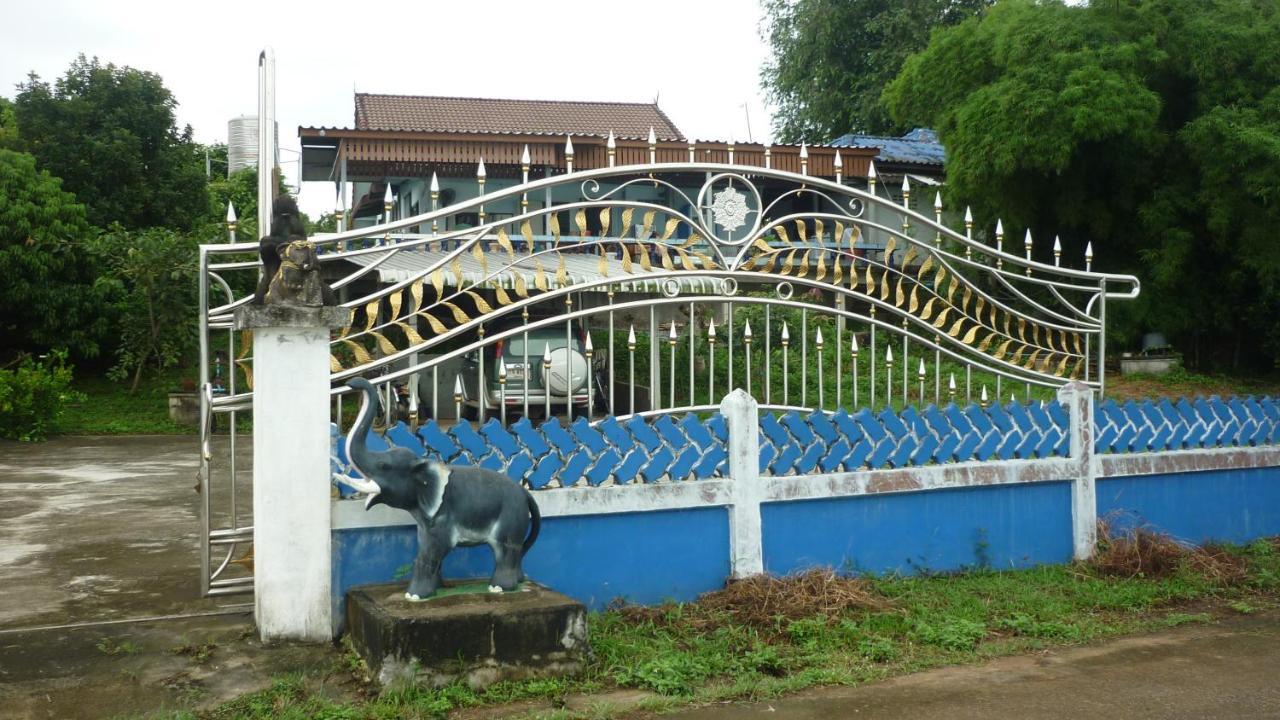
765, 601
1143, 552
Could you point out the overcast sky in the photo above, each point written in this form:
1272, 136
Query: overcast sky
700, 58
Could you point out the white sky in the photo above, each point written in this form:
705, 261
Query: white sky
700, 57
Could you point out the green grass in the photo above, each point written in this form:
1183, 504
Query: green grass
928, 621
108, 408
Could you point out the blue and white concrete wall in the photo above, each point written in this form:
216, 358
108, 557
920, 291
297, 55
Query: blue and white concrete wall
670, 508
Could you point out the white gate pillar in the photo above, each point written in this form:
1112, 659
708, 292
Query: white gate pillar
291, 515
741, 414
1078, 398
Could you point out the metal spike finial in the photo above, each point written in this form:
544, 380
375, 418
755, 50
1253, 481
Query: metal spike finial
937, 201
804, 151
502, 369
480, 172
951, 383
920, 372
999, 228
546, 355
524, 156
838, 162
1088, 255
568, 144
906, 186
817, 340
888, 354
653, 137
984, 396
786, 334
768, 155
457, 387
435, 183
612, 142
386, 196
711, 330
231, 213
968, 215
1027, 242
853, 346
871, 171
671, 336
746, 332
1057, 250
631, 338
590, 347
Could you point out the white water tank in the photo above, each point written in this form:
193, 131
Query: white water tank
242, 143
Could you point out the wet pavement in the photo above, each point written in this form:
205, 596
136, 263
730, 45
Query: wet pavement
100, 609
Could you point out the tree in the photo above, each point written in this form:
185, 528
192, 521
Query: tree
47, 291
8, 125
1150, 127
152, 274
109, 133
832, 59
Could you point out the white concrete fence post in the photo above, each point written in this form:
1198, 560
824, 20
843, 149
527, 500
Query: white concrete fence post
291, 514
1078, 398
741, 413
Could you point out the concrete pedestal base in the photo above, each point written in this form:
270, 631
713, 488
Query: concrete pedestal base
481, 638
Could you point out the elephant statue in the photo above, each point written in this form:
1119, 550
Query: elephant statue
452, 505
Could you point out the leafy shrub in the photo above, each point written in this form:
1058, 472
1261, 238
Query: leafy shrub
33, 396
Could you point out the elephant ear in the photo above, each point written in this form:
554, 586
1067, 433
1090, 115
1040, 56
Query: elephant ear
430, 479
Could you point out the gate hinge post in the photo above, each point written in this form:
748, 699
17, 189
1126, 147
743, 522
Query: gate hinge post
741, 413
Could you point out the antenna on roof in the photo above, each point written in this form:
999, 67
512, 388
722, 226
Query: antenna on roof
747, 111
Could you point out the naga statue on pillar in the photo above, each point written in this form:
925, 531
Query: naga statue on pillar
290, 269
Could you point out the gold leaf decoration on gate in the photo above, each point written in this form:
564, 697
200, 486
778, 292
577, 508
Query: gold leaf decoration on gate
606, 215
362, 356
482, 306
410, 334
504, 242
437, 282
782, 234
580, 219
670, 229
526, 229
647, 224
393, 301
242, 360
371, 314
517, 282
384, 344
665, 257
459, 316
803, 271
478, 253
802, 231
820, 273
437, 327
817, 231
539, 276
627, 214
626, 258
553, 223
562, 271
415, 292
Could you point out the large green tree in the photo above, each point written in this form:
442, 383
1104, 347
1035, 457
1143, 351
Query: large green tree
109, 132
1149, 127
47, 273
832, 58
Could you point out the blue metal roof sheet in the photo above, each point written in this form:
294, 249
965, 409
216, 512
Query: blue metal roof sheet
920, 146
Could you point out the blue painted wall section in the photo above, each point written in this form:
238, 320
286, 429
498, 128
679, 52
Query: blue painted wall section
555, 455
1159, 425
1196, 507
1003, 527
592, 558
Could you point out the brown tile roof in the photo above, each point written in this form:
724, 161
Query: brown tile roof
511, 117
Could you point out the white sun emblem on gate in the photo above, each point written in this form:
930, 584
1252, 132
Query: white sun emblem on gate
730, 208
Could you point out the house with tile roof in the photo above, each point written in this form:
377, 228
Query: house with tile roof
401, 141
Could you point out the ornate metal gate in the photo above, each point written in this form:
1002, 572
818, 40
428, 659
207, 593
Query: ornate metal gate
662, 287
